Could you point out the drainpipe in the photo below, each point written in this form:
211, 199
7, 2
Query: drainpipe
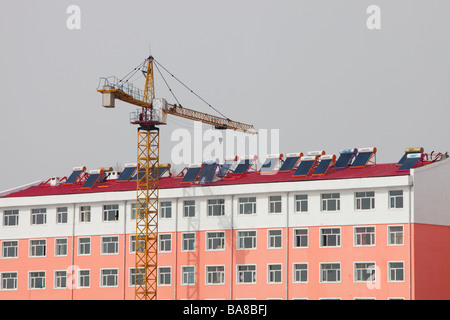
175, 250
287, 246
73, 250
124, 247
411, 203
231, 248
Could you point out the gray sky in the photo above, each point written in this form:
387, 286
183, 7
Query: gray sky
311, 69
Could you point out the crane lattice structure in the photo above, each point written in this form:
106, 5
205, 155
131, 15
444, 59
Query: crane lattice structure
152, 114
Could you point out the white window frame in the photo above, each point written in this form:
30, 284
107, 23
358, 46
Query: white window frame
215, 274
301, 236
361, 236
186, 243
163, 275
166, 209
272, 239
6, 280
337, 235
253, 273
84, 245
107, 274
215, 207
394, 198
389, 232
85, 214
113, 243
361, 197
59, 278
60, 246
188, 274
301, 199
296, 271
327, 198
36, 213
41, 275
33, 247
189, 208
242, 235
210, 240
81, 278
360, 272
275, 204
110, 213
248, 203
390, 269
273, 274
62, 215
15, 248
11, 216
321, 270
162, 248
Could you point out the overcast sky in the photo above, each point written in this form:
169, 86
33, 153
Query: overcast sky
311, 69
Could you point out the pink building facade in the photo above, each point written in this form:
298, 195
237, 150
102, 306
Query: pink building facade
366, 233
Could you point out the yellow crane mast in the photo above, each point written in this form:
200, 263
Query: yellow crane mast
152, 114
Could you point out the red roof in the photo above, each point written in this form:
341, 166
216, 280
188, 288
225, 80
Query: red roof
377, 170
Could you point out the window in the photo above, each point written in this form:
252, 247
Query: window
396, 199
215, 240
61, 215
275, 204
330, 237
164, 276
274, 273
395, 234
60, 247
331, 202
247, 205
139, 276
165, 242
60, 279
246, 273
10, 249
84, 277
300, 238
85, 213
246, 240
189, 208
37, 248
36, 280
274, 239
111, 212
39, 216
8, 281
188, 240
110, 245
11, 217
133, 211
301, 203
109, 277
166, 209
215, 274
84, 246
365, 200
133, 244
364, 272
364, 236
396, 271
188, 275
330, 272
216, 207
300, 272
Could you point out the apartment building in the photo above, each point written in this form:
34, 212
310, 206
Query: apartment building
361, 232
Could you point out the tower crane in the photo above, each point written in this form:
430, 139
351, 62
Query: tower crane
152, 114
